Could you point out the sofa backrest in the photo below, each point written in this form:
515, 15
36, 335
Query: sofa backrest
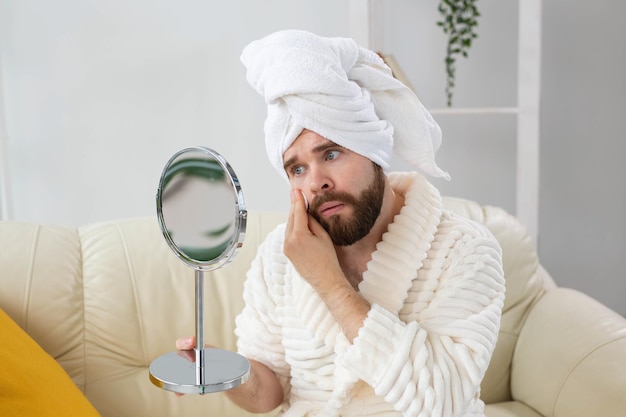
108, 298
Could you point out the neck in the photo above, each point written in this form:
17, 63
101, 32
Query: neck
354, 258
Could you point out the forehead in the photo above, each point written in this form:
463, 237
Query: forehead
307, 142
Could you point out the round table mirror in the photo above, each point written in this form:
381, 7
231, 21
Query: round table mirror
202, 215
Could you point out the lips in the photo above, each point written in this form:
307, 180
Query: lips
330, 208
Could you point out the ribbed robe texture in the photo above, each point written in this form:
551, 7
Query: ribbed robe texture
436, 289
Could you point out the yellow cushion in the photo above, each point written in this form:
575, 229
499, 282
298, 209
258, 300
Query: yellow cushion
32, 383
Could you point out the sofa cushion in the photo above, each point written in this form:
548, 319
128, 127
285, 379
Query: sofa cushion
510, 409
32, 383
42, 289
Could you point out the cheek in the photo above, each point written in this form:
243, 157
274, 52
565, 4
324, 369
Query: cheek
295, 182
298, 184
361, 178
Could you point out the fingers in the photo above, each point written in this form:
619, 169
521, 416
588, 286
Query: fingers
298, 216
315, 227
306, 202
186, 343
298, 201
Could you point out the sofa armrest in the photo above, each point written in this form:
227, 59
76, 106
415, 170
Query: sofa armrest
570, 359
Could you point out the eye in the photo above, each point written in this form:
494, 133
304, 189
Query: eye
297, 170
332, 155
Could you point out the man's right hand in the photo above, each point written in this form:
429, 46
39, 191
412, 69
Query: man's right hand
186, 343
261, 393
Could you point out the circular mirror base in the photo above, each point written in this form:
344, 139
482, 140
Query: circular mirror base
177, 371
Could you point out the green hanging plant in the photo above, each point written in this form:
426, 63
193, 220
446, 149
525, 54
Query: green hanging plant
459, 22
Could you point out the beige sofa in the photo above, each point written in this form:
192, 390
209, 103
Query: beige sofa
106, 299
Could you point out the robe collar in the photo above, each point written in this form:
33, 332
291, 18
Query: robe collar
405, 245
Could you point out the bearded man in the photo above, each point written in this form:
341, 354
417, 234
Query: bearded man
373, 300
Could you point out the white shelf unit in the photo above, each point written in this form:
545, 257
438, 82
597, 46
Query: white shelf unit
366, 28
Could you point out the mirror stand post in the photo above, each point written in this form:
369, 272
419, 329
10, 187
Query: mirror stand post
203, 370
199, 350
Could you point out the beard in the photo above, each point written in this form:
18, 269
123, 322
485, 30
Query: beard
366, 207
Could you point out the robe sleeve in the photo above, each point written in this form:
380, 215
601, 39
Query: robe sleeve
434, 364
258, 332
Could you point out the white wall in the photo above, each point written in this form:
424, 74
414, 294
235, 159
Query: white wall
583, 192
98, 95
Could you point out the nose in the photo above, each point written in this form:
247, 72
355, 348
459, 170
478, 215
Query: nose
319, 180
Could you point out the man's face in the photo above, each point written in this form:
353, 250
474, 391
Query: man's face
345, 190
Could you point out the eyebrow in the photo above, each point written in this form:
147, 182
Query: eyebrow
318, 149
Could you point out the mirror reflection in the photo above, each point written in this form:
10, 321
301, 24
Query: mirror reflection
199, 208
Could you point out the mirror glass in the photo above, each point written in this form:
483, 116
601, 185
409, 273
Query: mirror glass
200, 208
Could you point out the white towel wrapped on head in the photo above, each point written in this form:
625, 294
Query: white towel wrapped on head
342, 92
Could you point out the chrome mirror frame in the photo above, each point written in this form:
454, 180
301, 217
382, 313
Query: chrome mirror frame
203, 370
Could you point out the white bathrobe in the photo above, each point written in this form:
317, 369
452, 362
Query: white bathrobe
436, 289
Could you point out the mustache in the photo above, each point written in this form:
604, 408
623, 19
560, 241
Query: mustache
342, 197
